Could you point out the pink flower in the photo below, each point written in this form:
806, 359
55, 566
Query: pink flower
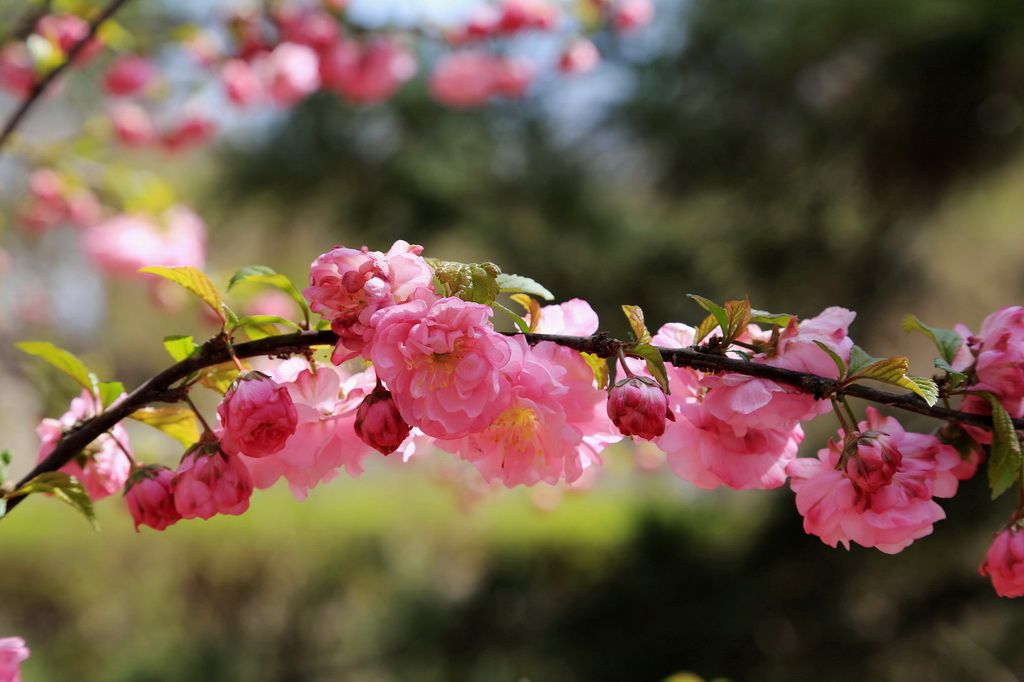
1004, 562
128, 75
241, 82
325, 440
379, 423
837, 509
553, 427
366, 73
290, 73
518, 15
192, 130
12, 653
150, 499
67, 30
999, 352
209, 482
870, 461
639, 407
318, 30
132, 124
17, 72
575, 317
580, 56
464, 79
103, 466
629, 15
123, 244
512, 76
348, 286
257, 415
447, 368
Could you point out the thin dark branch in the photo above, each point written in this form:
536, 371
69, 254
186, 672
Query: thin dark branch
215, 352
42, 86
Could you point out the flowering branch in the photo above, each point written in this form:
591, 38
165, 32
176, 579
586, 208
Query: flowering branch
43, 85
161, 387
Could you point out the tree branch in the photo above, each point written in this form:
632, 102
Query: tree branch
214, 352
42, 86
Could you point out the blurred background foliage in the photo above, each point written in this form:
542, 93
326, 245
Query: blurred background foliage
863, 153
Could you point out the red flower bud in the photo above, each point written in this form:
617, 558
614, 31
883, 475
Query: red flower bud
149, 498
639, 407
870, 460
378, 422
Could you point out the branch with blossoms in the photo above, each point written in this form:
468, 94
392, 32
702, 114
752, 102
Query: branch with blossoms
416, 365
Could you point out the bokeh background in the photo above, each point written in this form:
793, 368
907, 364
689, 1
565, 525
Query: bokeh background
863, 153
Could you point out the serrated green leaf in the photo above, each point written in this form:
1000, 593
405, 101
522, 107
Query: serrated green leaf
1004, 460
523, 285
473, 282
835, 358
193, 279
636, 322
263, 275
532, 308
62, 360
924, 387
64, 487
946, 340
717, 311
180, 347
893, 371
859, 359
655, 363
109, 392
177, 422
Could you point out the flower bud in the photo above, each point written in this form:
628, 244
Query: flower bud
1004, 563
258, 416
149, 497
870, 460
639, 407
378, 422
209, 481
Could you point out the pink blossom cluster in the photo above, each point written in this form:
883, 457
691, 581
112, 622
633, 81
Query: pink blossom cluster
55, 199
61, 32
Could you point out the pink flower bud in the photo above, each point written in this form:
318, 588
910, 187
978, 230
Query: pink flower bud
870, 460
378, 422
1004, 563
149, 497
209, 481
257, 415
12, 652
639, 407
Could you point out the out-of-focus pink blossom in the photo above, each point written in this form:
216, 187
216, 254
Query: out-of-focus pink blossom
317, 30
484, 21
290, 73
128, 75
67, 30
123, 244
553, 427
257, 415
575, 317
579, 56
192, 130
241, 82
84, 208
271, 302
512, 76
45, 206
150, 499
103, 466
519, 15
132, 125
629, 15
13, 653
837, 509
348, 286
447, 368
639, 407
325, 440
1004, 562
365, 73
17, 73
379, 423
464, 79
209, 481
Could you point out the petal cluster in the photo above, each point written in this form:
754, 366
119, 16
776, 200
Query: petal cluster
1004, 562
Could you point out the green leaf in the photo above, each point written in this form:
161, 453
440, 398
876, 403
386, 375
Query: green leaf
264, 275
219, 377
859, 359
955, 378
655, 363
65, 488
600, 367
177, 422
706, 326
523, 285
762, 317
109, 392
636, 322
946, 340
717, 311
473, 282
180, 347
193, 279
62, 360
532, 308
893, 371
519, 322
261, 326
738, 313
835, 358
1004, 461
